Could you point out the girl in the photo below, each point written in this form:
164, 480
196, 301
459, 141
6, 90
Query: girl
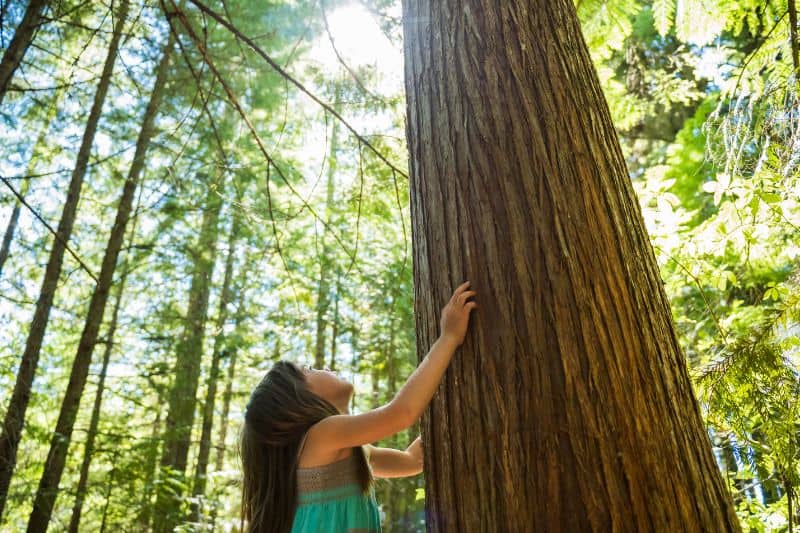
307, 461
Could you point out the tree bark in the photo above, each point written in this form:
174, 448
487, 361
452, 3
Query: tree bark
569, 406
59, 444
182, 397
23, 37
220, 350
15, 414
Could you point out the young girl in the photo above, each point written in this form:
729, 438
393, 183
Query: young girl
307, 461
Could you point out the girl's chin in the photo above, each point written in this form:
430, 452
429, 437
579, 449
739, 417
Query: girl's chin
348, 387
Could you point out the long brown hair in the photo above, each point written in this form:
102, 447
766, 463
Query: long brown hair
280, 411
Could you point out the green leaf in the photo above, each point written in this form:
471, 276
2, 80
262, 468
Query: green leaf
663, 15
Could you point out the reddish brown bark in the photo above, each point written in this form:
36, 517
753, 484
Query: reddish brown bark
569, 407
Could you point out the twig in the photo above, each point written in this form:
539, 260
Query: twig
340, 58
753, 53
57, 236
270, 160
295, 82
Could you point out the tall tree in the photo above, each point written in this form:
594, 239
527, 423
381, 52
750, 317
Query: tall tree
229, 380
571, 374
15, 414
182, 397
59, 445
219, 351
19, 44
91, 433
325, 263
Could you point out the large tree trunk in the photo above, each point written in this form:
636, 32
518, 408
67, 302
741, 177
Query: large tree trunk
56, 457
15, 415
220, 350
23, 37
569, 406
182, 397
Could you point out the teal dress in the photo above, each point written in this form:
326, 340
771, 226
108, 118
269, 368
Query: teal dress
330, 500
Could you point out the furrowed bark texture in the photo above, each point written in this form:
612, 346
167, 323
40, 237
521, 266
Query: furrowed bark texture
569, 406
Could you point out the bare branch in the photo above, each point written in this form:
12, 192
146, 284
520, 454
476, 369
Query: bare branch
295, 82
57, 236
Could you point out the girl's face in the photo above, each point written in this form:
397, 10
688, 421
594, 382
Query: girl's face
328, 385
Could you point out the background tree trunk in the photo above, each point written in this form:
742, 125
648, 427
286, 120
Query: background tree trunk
325, 263
15, 414
23, 37
231, 374
569, 407
219, 351
91, 435
151, 466
88, 451
56, 458
182, 397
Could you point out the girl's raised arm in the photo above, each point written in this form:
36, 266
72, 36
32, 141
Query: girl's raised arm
344, 431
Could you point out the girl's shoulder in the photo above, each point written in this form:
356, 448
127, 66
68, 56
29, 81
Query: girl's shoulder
313, 454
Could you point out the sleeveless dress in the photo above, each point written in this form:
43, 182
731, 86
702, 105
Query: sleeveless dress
330, 500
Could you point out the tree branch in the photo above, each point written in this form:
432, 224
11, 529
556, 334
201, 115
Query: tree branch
55, 233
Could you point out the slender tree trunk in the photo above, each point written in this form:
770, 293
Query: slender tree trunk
23, 37
220, 350
182, 398
228, 393
59, 445
36, 153
324, 288
150, 474
15, 414
335, 324
88, 450
11, 228
109, 490
571, 373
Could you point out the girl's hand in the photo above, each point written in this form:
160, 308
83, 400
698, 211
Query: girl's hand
415, 451
455, 315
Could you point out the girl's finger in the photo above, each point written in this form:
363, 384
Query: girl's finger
459, 290
464, 295
470, 306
